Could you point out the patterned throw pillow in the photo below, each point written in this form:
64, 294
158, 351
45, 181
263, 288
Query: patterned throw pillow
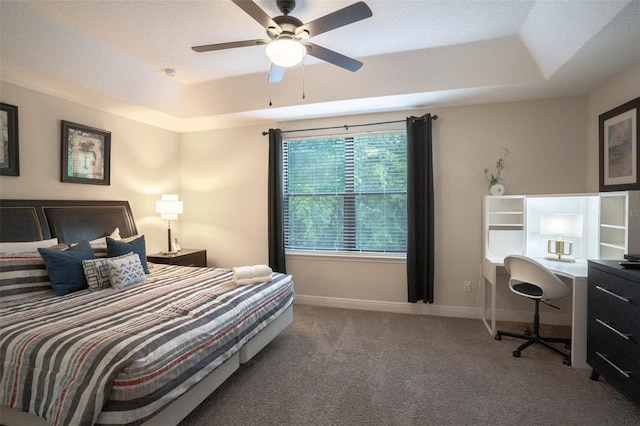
125, 270
96, 271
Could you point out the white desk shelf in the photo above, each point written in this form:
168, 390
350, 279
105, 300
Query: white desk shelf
512, 226
611, 223
619, 227
504, 221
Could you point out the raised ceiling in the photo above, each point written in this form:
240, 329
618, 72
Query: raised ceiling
112, 55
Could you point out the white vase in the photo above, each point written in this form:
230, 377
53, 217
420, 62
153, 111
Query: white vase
497, 189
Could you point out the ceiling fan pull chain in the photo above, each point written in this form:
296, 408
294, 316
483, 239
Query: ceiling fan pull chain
269, 95
303, 95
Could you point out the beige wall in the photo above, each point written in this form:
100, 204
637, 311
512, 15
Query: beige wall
144, 159
224, 187
224, 175
222, 178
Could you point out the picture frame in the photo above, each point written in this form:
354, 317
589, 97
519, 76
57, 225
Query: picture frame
9, 152
86, 154
619, 157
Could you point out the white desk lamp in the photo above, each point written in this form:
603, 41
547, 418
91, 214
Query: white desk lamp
169, 208
562, 225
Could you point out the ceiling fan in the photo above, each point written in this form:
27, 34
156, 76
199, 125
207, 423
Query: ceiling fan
287, 43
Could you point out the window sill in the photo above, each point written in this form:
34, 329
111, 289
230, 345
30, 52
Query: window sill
347, 256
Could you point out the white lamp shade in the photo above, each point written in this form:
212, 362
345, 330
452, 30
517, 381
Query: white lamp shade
562, 225
169, 207
286, 52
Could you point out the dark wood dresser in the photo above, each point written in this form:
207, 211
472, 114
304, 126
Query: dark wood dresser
613, 326
186, 257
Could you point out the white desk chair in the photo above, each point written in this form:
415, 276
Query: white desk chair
530, 279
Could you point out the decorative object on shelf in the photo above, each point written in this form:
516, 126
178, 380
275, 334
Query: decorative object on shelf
497, 189
9, 159
86, 154
562, 225
169, 208
494, 180
619, 157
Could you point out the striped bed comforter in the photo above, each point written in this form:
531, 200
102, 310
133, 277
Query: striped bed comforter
120, 356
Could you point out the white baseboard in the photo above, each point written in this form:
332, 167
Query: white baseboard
430, 309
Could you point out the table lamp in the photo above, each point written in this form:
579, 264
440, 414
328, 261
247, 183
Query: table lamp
169, 208
562, 225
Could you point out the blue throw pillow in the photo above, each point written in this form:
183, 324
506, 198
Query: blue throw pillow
65, 267
118, 248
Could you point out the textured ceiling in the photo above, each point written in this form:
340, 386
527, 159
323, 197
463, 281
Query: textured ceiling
112, 55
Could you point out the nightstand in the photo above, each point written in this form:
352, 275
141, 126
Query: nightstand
186, 257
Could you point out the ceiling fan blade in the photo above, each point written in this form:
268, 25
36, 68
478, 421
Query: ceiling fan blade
230, 45
276, 73
339, 18
257, 13
332, 57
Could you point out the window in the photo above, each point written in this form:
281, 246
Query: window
346, 193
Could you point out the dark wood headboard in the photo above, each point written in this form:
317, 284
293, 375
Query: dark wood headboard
68, 220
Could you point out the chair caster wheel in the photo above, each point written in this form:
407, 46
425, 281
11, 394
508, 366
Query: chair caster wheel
498, 337
567, 361
516, 354
527, 332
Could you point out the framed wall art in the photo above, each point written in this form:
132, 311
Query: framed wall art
86, 154
619, 158
9, 154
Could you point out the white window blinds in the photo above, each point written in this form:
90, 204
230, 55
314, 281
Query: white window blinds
346, 193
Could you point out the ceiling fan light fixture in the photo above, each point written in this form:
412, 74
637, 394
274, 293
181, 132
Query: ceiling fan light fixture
286, 52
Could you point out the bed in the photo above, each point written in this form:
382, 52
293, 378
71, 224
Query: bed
147, 353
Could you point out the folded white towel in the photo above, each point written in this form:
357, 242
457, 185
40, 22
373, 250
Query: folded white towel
244, 275
243, 272
254, 280
262, 270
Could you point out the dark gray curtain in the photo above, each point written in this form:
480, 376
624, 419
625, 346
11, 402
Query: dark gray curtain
276, 209
420, 224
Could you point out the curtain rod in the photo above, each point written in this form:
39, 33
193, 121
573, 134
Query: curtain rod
345, 126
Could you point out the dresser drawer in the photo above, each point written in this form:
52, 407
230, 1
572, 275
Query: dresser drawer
619, 369
619, 333
615, 288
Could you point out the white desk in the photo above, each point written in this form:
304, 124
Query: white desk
577, 272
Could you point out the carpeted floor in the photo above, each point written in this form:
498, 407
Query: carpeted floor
349, 367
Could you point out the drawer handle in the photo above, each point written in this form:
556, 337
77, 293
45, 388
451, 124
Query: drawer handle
605, 357
624, 336
610, 293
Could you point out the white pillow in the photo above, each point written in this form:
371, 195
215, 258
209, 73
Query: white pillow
27, 247
96, 271
102, 242
125, 270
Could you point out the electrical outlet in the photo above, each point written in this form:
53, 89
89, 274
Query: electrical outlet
467, 287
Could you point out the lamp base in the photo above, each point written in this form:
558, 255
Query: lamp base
561, 259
